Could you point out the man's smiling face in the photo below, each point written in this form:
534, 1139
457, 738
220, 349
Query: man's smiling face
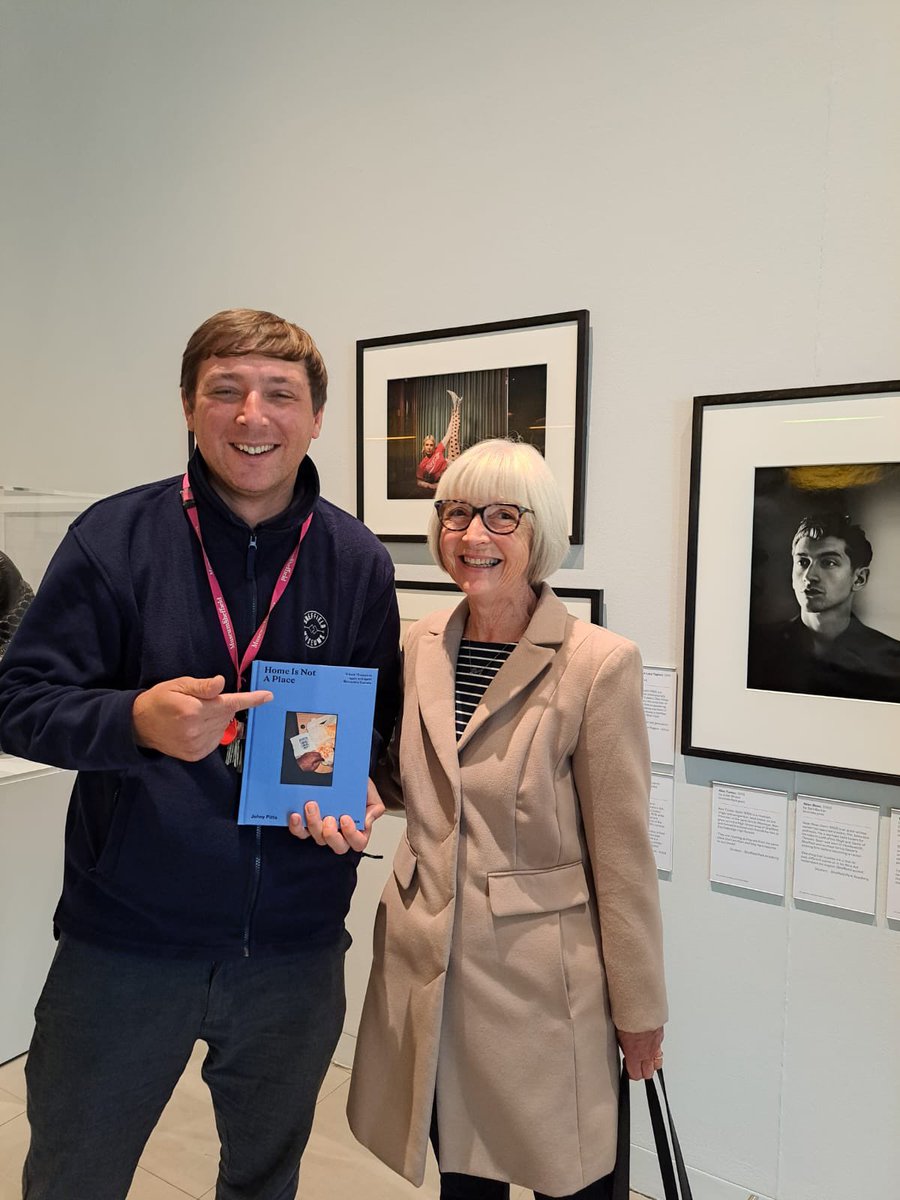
252, 417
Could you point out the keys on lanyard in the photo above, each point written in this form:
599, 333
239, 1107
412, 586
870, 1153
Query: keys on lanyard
233, 741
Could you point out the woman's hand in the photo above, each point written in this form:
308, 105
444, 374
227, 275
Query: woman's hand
642, 1051
340, 836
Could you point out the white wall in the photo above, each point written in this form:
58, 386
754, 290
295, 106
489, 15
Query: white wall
716, 182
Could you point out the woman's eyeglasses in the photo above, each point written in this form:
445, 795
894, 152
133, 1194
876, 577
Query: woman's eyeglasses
457, 515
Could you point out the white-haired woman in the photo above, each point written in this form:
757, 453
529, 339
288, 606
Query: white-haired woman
518, 940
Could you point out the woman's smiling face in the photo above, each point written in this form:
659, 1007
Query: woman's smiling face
487, 565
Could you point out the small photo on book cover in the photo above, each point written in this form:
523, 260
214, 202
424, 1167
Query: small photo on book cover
311, 741
310, 746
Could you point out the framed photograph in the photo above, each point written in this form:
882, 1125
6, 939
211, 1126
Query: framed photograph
792, 617
417, 600
423, 398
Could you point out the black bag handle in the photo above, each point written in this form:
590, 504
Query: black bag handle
674, 1190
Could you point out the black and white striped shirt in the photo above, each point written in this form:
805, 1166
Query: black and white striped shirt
476, 665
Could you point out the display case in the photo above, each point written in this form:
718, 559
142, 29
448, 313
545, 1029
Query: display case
33, 797
33, 523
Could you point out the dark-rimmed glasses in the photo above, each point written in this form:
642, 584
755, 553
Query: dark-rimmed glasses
457, 515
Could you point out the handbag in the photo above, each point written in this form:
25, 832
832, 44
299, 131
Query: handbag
671, 1160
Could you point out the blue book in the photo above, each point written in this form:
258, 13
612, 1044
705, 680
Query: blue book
311, 742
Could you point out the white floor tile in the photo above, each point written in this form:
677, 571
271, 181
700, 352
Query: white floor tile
336, 1167
13, 1147
10, 1107
12, 1077
148, 1187
183, 1149
336, 1077
181, 1158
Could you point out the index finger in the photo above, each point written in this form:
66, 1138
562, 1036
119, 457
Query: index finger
238, 701
356, 839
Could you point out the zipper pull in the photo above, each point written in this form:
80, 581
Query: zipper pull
251, 557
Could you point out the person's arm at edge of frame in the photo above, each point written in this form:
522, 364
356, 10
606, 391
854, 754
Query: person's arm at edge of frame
611, 766
62, 699
377, 645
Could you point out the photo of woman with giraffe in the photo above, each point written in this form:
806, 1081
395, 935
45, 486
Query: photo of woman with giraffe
465, 407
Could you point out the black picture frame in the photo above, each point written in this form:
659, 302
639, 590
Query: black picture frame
419, 597
520, 370
758, 687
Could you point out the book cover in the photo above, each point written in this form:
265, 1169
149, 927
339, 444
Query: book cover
311, 742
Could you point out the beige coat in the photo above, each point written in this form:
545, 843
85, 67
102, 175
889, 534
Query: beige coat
526, 845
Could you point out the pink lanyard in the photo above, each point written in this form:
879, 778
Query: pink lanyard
284, 578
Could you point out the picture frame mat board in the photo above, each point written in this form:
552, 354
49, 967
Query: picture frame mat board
560, 341
735, 436
417, 600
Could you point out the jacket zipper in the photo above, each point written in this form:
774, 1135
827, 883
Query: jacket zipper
257, 858
257, 870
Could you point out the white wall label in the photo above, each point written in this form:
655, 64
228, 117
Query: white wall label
748, 845
836, 853
659, 712
893, 887
662, 820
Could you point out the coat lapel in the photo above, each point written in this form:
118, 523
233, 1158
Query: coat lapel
534, 653
436, 685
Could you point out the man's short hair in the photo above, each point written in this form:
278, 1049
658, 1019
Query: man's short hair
238, 331
499, 469
837, 525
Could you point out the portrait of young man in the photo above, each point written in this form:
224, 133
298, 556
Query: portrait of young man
824, 649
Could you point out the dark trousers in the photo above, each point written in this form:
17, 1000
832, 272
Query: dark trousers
114, 1033
470, 1187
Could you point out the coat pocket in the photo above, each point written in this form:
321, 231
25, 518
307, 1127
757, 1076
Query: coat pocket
517, 893
405, 863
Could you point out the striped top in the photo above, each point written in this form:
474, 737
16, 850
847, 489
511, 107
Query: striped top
476, 665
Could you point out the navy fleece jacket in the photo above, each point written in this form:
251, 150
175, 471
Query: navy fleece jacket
155, 861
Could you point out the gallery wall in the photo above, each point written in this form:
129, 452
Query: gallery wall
715, 182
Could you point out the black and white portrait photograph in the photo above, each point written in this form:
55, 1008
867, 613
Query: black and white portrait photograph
825, 581
792, 623
433, 418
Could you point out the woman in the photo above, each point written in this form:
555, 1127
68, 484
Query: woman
494, 1007
437, 456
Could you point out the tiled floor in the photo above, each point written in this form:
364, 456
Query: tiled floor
181, 1157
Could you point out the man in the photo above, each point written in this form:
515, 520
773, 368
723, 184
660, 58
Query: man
176, 924
826, 650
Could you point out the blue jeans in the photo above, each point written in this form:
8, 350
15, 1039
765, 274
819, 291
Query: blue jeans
114, 1033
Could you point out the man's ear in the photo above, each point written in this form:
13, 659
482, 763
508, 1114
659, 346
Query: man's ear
188, 410
860, 578
319, 417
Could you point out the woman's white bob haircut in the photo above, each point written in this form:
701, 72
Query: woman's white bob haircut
514, 473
